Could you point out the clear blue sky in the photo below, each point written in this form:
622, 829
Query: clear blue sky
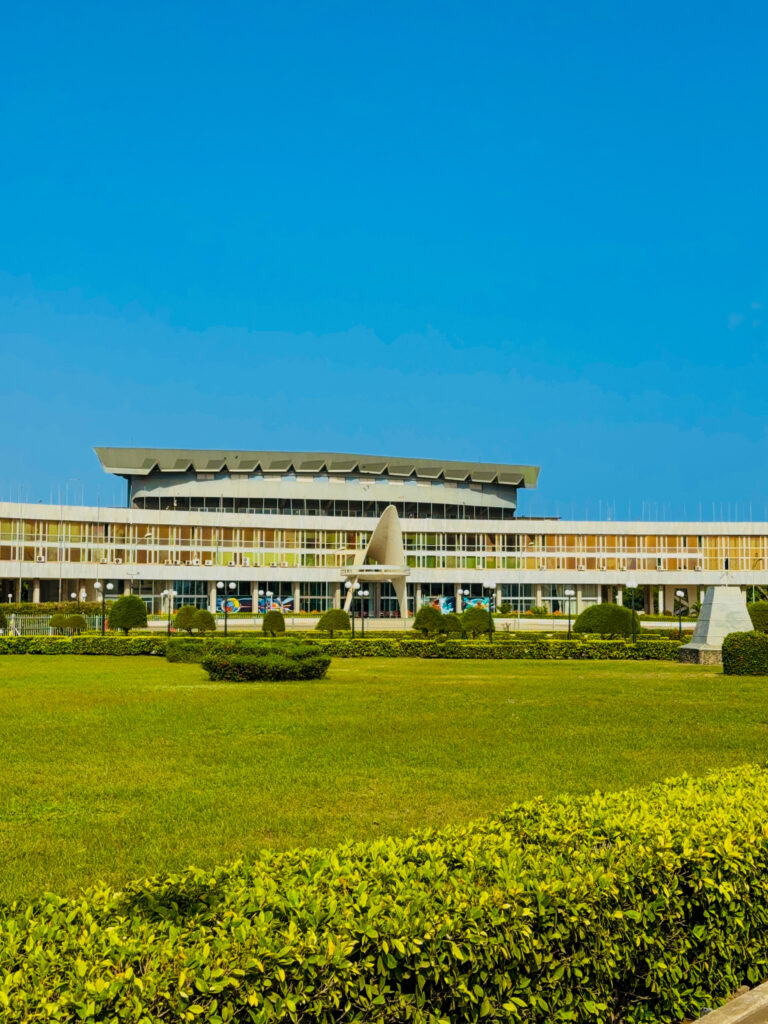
524, 232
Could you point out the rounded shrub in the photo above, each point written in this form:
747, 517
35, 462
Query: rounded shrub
452, 623
745, 654
58, 621
185, 617
76, 623
758, 612
333, 620
204, 621
127, 612
475, 620
428, 620
273, 622
607, 619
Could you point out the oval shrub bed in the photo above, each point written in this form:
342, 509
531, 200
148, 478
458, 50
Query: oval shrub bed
287, 663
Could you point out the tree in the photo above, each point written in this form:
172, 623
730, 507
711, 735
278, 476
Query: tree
452, 623
204, 622
428, 620
76, 623
758, 612
3, 620
476, 620
58, 621
127, 613
333, 620
273, 622
185, 617
607, 619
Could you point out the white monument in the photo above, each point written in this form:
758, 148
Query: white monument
723, 611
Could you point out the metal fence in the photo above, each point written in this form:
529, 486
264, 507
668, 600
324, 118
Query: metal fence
40, 625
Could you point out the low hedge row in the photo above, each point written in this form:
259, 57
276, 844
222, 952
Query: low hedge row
640, 907
109, 644
194, 650
271, 666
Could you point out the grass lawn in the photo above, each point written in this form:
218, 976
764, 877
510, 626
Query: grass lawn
116, 767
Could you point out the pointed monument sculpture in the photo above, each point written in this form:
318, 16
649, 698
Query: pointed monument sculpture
723, 611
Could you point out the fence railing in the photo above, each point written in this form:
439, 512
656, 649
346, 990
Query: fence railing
40, 625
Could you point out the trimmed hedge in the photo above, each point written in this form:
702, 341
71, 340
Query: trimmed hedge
273, 665
194, 650
640, 907
108, 644
758, 612
745, 654
608, 619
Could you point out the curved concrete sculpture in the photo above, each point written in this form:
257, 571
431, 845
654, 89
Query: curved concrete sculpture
383, 559
723, 611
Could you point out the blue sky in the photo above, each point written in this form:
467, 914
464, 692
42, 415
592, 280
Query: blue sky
516, 232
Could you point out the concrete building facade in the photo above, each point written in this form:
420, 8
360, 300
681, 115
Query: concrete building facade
289, 530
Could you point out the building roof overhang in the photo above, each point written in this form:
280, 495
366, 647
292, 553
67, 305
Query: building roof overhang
129, 462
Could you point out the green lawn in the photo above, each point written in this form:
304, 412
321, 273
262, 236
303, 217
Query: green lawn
115, 767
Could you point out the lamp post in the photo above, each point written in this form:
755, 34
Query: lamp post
570, 594
461, 595
679, 594
350, 586
169, 596
362, 594
490, 587
632, 585
74, 597
97, 586
225, 598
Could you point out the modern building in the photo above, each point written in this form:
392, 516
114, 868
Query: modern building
291, 529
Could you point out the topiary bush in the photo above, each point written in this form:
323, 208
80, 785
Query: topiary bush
273, 622
758, 612
607, 619
745, 654
127, 613
58, 621
452, 623
333, 620
428, 620
539, 611
204, 621
75, 623
475, 620
184, 619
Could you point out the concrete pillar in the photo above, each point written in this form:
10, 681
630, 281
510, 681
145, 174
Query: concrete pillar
457, 597
296, 597
619, 594
35, 591
669, 598
417, 598
497, 597
649, 604
336, 595
126, 586
255, 597
599, 593
539, 598
375, 589
579, 599
691, 592
661, 600
212, 596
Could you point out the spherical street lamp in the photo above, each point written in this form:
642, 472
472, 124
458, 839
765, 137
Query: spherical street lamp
490, 587
169, 596
680, 594
569, 594
461, 594
98, 587
225, 599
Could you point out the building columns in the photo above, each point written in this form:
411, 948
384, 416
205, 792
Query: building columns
296, 597
497, 597
649, 606
619, 594
336, 602
579, 599
661, 600
416, 597
212, 597
35, 591
539, 598
457, 597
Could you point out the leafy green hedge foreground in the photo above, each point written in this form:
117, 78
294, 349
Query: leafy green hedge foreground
745, 654
637, 907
